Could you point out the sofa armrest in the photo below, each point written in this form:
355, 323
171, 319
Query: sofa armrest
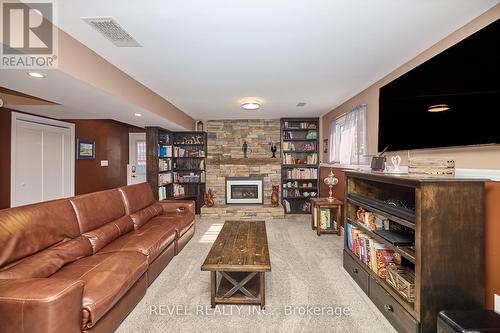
176, 206
41, 305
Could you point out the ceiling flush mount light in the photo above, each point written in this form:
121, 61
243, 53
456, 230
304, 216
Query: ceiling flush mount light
138, 114
438, 108
36, 75
250, 105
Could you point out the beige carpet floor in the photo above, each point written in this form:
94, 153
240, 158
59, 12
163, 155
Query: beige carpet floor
306, 272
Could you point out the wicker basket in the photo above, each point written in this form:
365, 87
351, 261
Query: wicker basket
402, 279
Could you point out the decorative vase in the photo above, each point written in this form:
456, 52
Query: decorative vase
208, 198
275, 196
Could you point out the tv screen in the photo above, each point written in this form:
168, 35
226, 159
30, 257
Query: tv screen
453, 99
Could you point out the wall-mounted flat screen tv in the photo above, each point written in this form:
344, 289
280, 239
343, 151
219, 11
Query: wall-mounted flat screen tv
453, 99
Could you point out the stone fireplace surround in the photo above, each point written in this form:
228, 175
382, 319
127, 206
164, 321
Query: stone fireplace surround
225, 159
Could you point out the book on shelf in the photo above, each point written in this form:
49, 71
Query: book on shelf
377, 256
301, 125
298, 147
291, 159
164, 151
325, 221
178, 190
290, 135
164, 164
162, 193
164, 178
302, 173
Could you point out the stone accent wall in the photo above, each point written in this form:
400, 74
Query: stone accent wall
225, 138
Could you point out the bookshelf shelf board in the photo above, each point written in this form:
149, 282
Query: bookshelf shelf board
391, 217
407, 305
300, 166
304, 179
189, 157
405, 254
186, 170
298, 198
189, 144
299, 129
301, 188
298, 140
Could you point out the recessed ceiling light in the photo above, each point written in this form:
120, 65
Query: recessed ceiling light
138, 114
36, 74
438, 108
250, 105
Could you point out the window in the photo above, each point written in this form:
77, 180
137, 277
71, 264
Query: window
140, 153
348, 138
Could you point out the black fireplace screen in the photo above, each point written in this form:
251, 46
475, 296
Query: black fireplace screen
244, 191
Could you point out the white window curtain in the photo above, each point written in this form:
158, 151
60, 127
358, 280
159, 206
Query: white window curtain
348, 143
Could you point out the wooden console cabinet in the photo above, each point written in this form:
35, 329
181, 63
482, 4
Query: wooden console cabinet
446, 257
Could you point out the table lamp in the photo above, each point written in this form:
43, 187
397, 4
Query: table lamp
331, 181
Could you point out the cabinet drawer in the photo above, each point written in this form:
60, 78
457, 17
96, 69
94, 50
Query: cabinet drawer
402, 321
358, 274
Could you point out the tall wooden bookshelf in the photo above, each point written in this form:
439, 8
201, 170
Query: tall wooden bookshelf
299, 163
189, 176
176, 164
159, 161
428, 254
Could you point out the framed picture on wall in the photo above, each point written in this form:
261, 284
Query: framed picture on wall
85, 150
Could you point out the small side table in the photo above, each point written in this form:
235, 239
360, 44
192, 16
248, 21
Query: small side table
333, 216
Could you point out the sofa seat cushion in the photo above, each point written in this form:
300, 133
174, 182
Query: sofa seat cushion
182, 221
107, 277
150, 240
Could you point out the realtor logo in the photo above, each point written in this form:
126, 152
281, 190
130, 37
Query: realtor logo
29, 35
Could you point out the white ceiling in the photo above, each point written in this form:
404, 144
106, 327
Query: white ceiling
77, 100
205, 56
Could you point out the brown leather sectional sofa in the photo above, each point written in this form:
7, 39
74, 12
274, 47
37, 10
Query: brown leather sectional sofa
82, 264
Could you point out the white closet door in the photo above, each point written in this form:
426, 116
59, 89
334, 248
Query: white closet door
42, 163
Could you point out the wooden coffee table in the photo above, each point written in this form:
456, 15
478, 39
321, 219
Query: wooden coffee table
241, 257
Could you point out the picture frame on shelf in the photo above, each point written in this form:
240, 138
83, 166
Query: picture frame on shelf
85, 149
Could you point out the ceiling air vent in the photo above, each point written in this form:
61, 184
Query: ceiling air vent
301, 104
110, 29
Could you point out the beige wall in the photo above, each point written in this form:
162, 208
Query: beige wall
485, 157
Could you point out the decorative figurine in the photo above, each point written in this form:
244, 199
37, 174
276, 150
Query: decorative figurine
208, 197
199, 126
245, 149
273, 149
275, 196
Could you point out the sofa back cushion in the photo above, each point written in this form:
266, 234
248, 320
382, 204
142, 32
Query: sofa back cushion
137, 197
29, 229
101, 217
142, 216
46, 262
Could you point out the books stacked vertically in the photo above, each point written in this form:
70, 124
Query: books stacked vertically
301, 125
162, 193
377, 256
295, 147
178, 190
164, 178
431, 166
302, 173
164, 164
164, 151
